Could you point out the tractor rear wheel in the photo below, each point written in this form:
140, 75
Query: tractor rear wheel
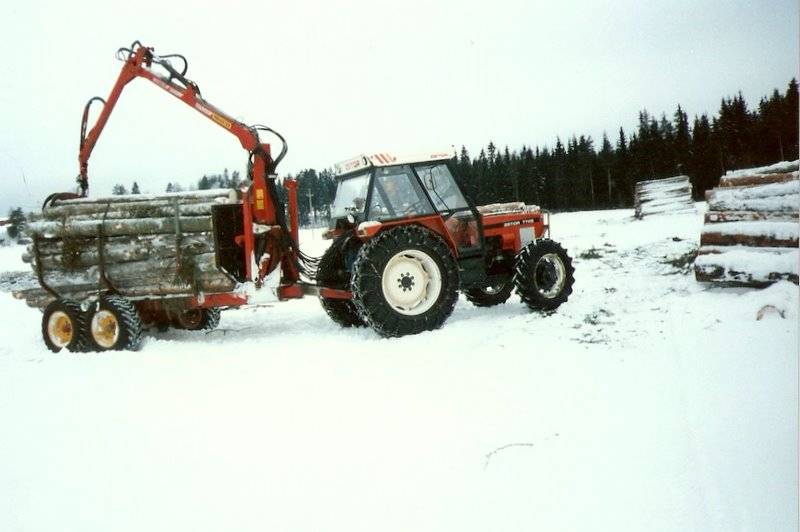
332, 273
114, 325
489, 296
64, 326
543, 275
405, 281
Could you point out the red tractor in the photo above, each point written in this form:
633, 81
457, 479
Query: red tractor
407, 239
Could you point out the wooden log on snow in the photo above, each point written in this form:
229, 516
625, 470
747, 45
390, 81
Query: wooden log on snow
777, 168
658, 196
757, 233
756, 179
746, 266
712, 217
138, 226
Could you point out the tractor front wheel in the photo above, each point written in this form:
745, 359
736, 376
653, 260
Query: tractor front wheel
114, 325
543, 275
405, 281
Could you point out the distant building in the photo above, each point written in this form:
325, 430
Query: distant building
4, 221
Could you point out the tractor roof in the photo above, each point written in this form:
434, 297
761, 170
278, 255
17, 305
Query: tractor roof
388, 159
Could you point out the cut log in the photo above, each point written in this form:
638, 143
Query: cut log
756, 179
158, 209
712, 217
138, 226
777, 168
182, 197
760, 234
75, 253
785, 204
664, 181
746, 266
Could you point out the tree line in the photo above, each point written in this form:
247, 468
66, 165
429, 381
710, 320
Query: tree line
576, 174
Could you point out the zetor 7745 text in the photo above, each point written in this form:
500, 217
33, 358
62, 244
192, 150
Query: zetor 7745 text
406, 240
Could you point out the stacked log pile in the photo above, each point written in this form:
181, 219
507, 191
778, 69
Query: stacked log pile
139, 245
657, 196
751, 230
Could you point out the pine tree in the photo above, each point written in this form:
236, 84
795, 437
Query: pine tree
135, 188
119, 190
16, 223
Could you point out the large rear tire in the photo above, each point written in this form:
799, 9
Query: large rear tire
543, 275
64, 326
332, 273
114, 325
405, 281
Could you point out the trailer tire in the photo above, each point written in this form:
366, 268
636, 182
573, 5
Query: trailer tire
332, 273
543, 275
405, 281
489, 296
114, 325
203, 319
64, 326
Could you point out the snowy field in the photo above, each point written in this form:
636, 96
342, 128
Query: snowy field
648, 402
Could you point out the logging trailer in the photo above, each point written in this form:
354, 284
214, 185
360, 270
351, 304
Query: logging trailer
406, 240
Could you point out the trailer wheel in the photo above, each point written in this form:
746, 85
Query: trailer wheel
489, 296
114, 325
405, 281
64, 326
199, 319
332, 273
543, 275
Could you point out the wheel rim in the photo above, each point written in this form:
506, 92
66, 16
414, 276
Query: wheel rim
411, 282
549, 275
60, 329
493, 290
105, 328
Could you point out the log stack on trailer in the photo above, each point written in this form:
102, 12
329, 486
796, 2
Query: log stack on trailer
140, 245
659, 196
750, 235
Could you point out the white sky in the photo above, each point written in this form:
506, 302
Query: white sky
342, 78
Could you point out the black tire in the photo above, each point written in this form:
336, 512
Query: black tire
370, 271
200, 319
64, 326
113, 324
490, 296
332, 273
543, 275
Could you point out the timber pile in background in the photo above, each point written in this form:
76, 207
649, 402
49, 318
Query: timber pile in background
140, 245
658, 196
750, 235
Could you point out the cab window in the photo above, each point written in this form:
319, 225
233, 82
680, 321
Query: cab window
441, 187
396, 194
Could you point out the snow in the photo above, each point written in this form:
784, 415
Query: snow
758, 191
777, 168
647, 402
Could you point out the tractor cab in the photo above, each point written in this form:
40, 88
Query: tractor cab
384, 189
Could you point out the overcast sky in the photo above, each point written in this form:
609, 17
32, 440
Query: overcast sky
343, 78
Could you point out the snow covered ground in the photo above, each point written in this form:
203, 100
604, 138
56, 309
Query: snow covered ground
648, 402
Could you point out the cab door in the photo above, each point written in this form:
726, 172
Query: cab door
462, 220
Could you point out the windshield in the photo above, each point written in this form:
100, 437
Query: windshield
351, 195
